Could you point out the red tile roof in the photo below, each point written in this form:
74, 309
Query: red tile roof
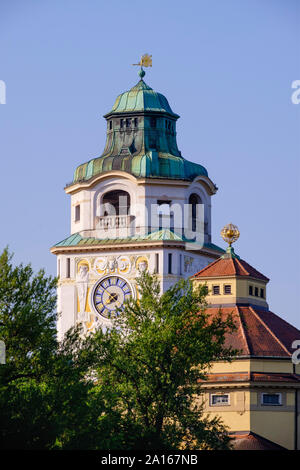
250, 377
259, 332
252, 441
229, 266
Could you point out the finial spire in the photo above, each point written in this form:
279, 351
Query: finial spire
230, 233
146, 61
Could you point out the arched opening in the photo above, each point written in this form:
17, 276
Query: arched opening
194, 200
116, 203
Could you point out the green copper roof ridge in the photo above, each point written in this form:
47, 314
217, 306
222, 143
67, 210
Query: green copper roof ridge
71, 238
164, 234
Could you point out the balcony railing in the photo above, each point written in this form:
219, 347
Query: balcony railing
107, 222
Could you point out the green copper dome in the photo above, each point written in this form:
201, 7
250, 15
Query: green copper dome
141, 98
141, 140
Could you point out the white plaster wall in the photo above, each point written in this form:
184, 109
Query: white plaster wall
142, 197
83, 198
67, 291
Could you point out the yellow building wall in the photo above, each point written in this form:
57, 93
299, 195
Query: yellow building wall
253, 365
239, 289
235, 416
245, 412
230, 367
277, 426
259, 365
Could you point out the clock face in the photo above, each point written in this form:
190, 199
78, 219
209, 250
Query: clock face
110, 295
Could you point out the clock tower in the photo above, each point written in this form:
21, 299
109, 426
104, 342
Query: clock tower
139, 206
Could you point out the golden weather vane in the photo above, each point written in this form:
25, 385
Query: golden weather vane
146, 61
230, 233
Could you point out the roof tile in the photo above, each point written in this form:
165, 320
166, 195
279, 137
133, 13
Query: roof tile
229, 266
259, 332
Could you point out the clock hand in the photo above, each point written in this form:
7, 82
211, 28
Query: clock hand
112, 298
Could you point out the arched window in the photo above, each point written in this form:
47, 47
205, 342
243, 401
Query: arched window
194, 199
116, 203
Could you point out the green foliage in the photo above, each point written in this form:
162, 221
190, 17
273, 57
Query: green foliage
153, 360
132, 386
45, 396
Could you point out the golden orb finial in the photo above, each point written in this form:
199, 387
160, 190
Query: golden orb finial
230, 233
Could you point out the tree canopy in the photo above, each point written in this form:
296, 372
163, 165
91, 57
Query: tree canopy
153, 359
135, 385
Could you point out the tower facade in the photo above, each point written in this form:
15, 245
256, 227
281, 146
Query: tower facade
139, 206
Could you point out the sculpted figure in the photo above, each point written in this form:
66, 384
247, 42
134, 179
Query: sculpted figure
82, 279
112, 264
143, 265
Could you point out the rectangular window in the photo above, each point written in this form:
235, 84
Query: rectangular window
135, 122
219, 400
250, 290
128, 122
227, 289
68, 268
216, 290
273, 399
169, 263
110, 124
156, 262
262, 293
256, 291
77, 213
160, 221
121, 123
172, 221
153, 122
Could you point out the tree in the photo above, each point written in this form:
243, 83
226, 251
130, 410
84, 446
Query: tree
46, 398
151, 362
131, 386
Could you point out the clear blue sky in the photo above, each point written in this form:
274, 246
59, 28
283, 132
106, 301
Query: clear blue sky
226, 66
